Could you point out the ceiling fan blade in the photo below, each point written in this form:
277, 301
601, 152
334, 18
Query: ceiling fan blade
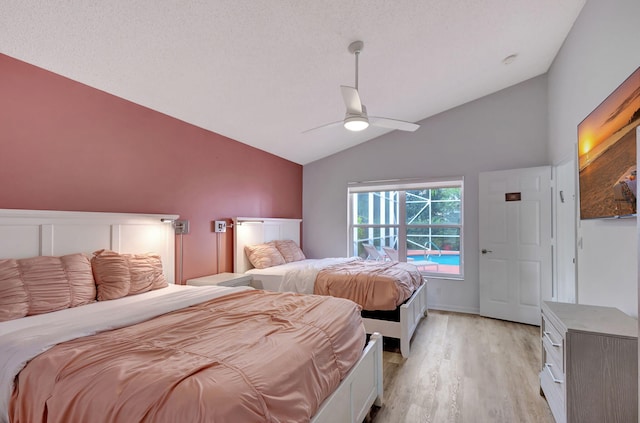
351, 100
326, 125
393, 124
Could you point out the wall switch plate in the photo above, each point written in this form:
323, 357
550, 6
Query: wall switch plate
220, 226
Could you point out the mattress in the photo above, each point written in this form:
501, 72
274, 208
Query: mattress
374, 285
193, 354
296, 276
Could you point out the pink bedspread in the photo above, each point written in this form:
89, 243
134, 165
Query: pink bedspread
252, 356
374, 285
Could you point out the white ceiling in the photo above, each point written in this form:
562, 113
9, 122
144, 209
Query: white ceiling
263, 71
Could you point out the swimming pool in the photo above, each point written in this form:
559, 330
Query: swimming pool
450, 259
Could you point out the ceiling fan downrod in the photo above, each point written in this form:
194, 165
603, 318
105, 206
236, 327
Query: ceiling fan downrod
355, 48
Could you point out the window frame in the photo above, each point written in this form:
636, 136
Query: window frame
401, 227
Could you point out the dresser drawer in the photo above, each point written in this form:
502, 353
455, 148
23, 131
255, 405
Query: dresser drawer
554, 391
553, 343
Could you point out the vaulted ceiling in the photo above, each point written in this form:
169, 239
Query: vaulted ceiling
263, 71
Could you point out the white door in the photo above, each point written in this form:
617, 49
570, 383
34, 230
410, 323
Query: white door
564, 286
515, 243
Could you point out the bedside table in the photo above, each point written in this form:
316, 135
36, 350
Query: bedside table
222, 279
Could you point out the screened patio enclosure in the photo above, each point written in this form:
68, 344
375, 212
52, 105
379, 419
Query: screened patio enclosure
423, 224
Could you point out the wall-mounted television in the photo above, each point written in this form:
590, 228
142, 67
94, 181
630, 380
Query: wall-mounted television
607, 154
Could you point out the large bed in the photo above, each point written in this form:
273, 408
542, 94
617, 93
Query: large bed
172, 353
392, 294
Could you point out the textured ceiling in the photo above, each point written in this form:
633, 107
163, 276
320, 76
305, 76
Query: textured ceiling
262, 72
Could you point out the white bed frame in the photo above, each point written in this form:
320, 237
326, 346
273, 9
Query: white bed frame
257, 230
29, 233
411, 312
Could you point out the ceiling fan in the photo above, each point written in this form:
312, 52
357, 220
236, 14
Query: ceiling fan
356, 118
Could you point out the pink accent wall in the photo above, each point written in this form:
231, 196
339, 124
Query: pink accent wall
66, 146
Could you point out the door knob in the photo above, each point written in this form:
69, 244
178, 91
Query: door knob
485, 251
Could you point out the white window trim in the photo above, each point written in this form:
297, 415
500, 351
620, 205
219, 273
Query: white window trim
402, 185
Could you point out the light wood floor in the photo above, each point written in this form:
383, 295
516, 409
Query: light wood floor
465, 368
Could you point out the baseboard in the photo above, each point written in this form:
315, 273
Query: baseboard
456, 309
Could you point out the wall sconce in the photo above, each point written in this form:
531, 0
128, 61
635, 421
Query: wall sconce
240, 221
219, 226
181, 226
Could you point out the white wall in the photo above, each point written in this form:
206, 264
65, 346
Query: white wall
505, 130
600, 52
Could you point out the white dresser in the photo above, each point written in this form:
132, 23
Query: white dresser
589, 363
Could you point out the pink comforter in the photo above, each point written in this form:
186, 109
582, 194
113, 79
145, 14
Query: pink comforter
252, 356
374, 285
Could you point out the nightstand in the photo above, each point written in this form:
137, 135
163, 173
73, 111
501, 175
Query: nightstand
222, 279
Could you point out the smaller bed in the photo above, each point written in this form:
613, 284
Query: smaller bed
373, 285
392, 294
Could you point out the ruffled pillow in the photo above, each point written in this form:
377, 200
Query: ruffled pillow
44, 284
119, 275
265, 255
290, 250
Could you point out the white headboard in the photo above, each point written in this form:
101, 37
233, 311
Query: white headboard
257, 230
29, 233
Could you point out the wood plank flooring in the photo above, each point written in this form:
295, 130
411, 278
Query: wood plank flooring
464, 368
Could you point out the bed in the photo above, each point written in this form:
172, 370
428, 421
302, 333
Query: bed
397, 320
111, 360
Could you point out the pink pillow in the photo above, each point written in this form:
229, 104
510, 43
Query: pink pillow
14, 302
118, 275
146, 273
44, 284
78, 270
264, 255
290, 250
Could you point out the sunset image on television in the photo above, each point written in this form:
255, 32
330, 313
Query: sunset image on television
607, 154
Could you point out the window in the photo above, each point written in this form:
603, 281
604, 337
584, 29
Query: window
419, 222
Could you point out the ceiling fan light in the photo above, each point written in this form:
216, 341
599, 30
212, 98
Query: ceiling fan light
356, 123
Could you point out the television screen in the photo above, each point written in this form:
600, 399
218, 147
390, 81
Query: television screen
607, 154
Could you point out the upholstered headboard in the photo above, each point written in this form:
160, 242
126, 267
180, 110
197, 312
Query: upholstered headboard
257, 230
29, 233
